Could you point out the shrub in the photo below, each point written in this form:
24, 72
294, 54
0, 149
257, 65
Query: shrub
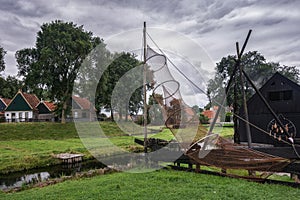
203, 119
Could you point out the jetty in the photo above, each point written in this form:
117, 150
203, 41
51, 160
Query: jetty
69, 158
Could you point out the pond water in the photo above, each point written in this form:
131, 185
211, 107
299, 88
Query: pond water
19, 179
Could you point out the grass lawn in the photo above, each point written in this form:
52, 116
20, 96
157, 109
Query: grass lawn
162, 184
30, 145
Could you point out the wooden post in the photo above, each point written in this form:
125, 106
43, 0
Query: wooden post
190, 166
251, 173
249, 138
236, 135
144, 89
235, 68
198, 169
266, 103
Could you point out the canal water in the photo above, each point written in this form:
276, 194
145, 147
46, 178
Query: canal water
19, 179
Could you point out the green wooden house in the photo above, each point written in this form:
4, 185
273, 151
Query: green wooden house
22, 108
46, 111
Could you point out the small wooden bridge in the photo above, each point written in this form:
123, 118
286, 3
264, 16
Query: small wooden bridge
69, 158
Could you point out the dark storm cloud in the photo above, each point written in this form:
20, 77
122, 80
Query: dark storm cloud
216, 24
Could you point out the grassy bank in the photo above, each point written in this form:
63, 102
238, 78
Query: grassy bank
161, 184
31, 145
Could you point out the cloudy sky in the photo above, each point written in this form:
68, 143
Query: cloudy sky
198, 31
215, 24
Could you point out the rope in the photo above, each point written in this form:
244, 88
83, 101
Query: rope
241, 118
176, 66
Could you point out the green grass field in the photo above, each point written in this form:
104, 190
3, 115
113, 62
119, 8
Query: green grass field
162, 184
30, 145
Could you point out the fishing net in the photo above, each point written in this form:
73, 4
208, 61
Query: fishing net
184, 123
179, 117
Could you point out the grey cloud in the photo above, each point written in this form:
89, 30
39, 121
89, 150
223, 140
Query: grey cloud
25, 8
215, 24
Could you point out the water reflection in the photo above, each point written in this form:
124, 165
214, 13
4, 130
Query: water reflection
9, 183
19, 179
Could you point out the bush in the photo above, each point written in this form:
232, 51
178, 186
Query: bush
228, 117
102, 117
2, 119
203, 119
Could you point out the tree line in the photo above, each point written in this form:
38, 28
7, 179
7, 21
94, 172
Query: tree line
257, 68
51, 68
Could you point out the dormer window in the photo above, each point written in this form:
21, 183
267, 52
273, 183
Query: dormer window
281, 95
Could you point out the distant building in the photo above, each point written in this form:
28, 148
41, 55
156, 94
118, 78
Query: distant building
46, 111
3, 104
211, 113
83, 109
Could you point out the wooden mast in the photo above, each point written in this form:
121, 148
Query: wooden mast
144, 88
235, 68
248, 132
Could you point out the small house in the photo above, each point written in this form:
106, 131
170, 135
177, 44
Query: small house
283, 95
46, 111
211, 113
82, 109
3, 104
22, 108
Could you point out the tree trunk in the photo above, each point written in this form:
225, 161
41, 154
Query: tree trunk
112, 114
64, 112
91, 112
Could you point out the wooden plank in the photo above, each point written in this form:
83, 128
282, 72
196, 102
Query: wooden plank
284, 152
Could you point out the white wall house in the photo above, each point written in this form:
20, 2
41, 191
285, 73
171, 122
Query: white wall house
22, 108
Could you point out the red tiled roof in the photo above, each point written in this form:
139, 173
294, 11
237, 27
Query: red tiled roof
208, 113
5, 100
31, 99
82, 102
50, 105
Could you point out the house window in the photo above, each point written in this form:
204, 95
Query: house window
20, 115
281, 95
75, 114
26, 115
84, 115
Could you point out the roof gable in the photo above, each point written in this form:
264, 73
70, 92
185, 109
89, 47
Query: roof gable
22, 102
276, 78
45, 107
50, 105
83, 103
5, 101
2, 105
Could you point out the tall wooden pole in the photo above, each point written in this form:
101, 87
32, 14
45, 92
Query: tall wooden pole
248, 133
268, 106
236, 136
235, 68
145, 89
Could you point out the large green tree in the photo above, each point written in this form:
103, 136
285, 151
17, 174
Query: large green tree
9, 86
54, 62
258, 69
2, 63
122, 63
